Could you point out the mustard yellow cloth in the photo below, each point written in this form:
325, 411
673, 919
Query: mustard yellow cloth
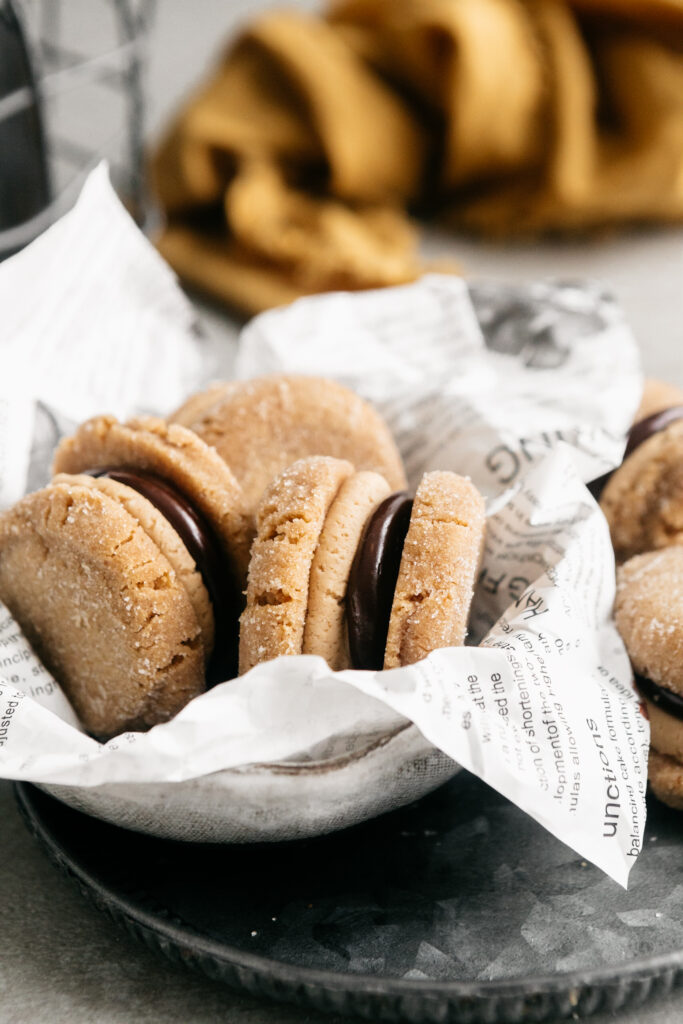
292, 170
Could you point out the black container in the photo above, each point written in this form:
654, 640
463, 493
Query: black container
24, 179
459, 908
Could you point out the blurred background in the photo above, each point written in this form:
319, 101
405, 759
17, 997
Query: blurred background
136, 81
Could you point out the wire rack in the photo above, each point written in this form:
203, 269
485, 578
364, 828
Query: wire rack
76, 97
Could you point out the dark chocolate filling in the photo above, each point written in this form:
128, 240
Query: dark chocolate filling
644, 429
204, 547
640, 432
372, 581
666, 700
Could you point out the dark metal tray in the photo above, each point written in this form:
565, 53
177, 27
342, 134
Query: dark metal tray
457, 908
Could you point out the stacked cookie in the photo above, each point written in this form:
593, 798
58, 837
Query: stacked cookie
122, 571
127, 573
364, 582
643, 503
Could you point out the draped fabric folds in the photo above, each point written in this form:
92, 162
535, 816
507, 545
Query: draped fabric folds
300, 165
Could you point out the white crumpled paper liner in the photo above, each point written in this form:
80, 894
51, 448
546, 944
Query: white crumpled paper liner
527, 390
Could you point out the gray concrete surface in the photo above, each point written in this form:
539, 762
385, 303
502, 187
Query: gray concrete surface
60, 961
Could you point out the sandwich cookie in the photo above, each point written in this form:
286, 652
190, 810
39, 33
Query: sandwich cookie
188, 467
643, 499
261, 426
366, 578
102, 606
191, 571
649, 616
660, 405
150, 503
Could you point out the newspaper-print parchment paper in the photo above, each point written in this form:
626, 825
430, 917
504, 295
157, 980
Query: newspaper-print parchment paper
92, 320
530, 392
